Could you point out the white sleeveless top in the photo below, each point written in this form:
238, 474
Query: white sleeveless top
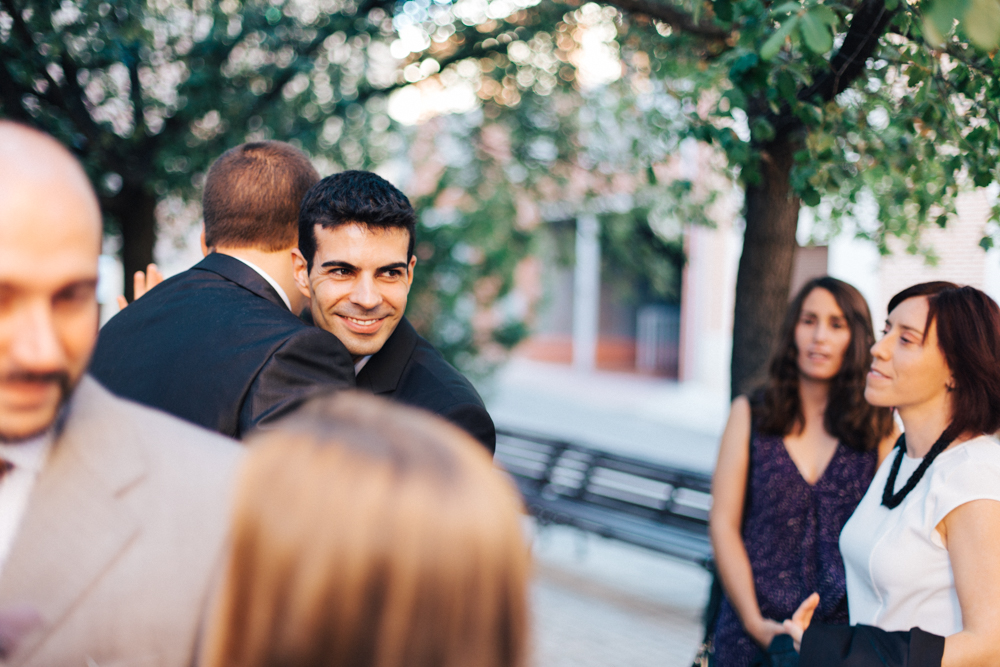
898, 572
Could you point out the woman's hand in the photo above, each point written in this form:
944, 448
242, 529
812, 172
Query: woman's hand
796, 625
764, 631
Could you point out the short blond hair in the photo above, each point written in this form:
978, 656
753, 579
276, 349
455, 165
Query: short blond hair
366, 534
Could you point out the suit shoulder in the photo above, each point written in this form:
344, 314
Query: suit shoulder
173, 443
429, 371
203, 296
308, 335
317, 352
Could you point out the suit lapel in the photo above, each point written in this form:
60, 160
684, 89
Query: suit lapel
383, 371
76, 522
236, 271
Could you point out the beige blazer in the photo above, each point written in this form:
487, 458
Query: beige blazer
121, 540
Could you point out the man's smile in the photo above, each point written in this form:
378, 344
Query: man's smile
362, 325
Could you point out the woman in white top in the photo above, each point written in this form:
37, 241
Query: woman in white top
922, 550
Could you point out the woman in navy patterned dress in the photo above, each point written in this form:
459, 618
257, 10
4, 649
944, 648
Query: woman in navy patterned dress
793, 464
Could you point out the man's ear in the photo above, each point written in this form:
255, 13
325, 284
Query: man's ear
409, 269
300, 269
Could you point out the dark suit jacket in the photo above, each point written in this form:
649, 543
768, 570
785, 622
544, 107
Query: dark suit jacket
215, 345
408, 369
866, 646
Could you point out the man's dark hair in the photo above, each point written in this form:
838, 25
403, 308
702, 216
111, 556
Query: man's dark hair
252, 196
359, 197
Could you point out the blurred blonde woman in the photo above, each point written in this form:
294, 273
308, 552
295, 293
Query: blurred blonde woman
366, 534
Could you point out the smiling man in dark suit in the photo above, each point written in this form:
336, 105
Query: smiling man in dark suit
219, 344
355, 262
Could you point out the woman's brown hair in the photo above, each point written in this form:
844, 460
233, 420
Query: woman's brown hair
848, 417
968, 330
367, 534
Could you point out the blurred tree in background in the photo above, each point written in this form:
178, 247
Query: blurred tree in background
810, 102
149, 93
851, 101
566, 108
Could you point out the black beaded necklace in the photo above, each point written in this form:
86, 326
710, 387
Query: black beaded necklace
890, 499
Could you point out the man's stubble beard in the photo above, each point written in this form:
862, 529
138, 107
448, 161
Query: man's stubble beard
67, 386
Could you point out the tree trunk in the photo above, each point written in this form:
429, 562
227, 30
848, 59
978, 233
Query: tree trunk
135, 210
765, 272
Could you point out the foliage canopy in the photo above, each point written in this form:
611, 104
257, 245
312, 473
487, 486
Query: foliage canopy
870, 99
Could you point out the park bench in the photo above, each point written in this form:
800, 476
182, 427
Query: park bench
641, 502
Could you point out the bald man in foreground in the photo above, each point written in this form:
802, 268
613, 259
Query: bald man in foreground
112, 515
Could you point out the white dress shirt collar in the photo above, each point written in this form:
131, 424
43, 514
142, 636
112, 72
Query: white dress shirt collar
271, 281
28, 458
28, 455
360, 363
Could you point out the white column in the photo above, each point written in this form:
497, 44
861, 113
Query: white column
586, 292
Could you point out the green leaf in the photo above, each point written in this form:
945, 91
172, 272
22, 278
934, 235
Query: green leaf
982, 23
810, 197
746, 62
774, 43
986, 242
786, 85
933, 35
815, 33
825, 14
761, 130
724, 10
891, 5
737, 98
982, 179
787, 8
940, 19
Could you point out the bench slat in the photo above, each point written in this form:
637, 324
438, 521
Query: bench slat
641, 502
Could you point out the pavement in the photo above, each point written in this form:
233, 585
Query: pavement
600, 603
597, 602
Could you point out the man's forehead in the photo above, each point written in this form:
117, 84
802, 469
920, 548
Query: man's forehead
29, 269
43, 186
354, 238
56, 236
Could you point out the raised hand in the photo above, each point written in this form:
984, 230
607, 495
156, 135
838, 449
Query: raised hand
796, 625
142, 283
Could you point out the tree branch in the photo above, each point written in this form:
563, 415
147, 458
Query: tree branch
670, 15
135, 91
73, 105
868, 24
11, 93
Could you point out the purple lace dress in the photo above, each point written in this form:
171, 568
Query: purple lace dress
791, 532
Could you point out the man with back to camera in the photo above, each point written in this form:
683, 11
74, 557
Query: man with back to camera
355, 262
112, 516
220, 344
